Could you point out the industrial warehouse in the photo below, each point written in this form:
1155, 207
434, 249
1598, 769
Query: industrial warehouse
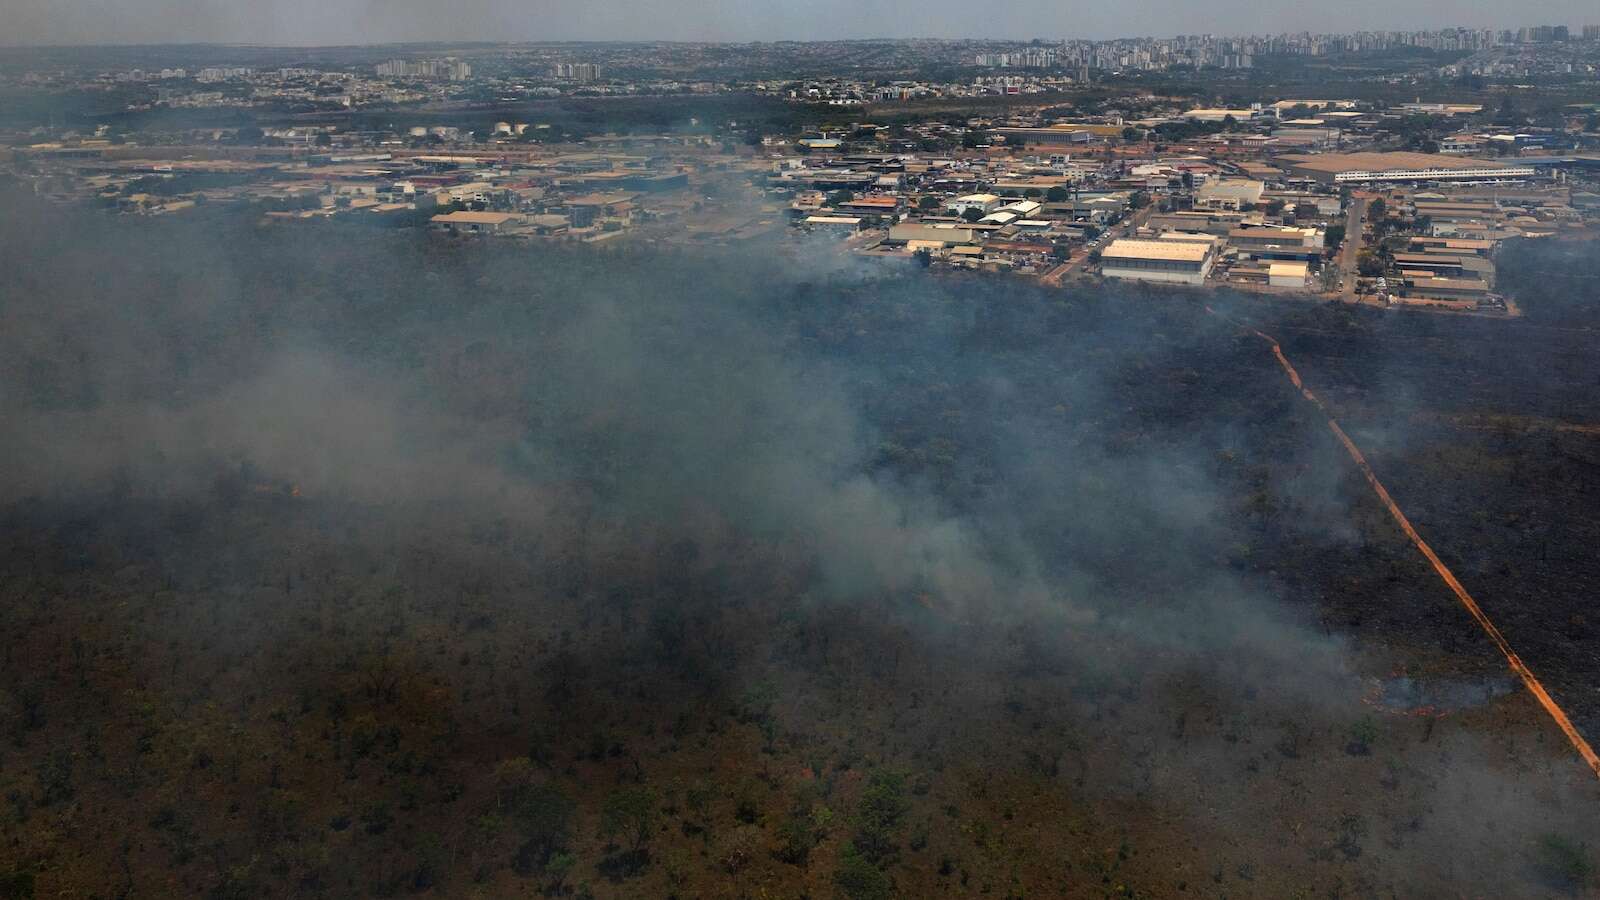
1177, 261
1396, 168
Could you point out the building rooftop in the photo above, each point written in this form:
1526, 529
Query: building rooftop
1270, 232
1387, 162
1233, 189
1450, 284
1177, 251
1191, 236
475, 218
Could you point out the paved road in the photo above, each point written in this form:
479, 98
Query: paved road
1134, 222
1053, 277
1354, 220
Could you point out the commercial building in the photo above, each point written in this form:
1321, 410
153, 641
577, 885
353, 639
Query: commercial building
942, 235
1445, 288
1326, 205
1378, 167
834, 223
1048, 137
1441, 109
1288, 274
1443, 265
1222, 115
983, 203
1214, 222
1267, 242
1229, 194
879, 206
1179, 262
1451, 246
1462, 144
1458, 211
475, 222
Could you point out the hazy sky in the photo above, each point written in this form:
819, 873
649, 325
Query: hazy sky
379, 21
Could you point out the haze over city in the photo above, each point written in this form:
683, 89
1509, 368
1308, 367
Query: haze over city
332, 22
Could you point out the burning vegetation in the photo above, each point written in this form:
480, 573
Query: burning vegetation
856, 585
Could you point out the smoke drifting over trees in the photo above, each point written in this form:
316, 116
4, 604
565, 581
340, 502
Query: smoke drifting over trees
351, 562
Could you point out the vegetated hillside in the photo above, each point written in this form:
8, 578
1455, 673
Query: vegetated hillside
345, 564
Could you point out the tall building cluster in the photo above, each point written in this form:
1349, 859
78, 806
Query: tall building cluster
222, 73
1205, 50
1031, 58
439, 69
582, 72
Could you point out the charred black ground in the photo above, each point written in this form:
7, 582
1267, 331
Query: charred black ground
355, 563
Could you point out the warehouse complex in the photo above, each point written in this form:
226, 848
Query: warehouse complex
1394, 168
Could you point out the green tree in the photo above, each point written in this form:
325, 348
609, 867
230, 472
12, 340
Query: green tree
1057, 194
1377, 211
858, 879
796, 836
883, 803
560, 866
544, 814
971, 214
629, 813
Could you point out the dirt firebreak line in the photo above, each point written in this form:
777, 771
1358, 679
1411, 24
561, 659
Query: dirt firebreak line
1449, 578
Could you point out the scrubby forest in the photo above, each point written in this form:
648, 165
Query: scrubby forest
345, 563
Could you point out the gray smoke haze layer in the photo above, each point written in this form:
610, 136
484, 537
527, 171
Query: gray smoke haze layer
301, 22
646, 401
943, 461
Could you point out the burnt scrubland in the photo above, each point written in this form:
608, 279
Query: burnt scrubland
353, 563
1490, 438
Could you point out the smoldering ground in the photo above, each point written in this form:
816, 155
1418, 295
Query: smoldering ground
895, 520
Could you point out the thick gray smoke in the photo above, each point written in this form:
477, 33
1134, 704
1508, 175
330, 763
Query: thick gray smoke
1035, 502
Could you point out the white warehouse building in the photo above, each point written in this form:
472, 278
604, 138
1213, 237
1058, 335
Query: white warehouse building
1178, 262
983, 203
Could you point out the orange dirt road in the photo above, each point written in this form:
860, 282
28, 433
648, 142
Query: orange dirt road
1517, 665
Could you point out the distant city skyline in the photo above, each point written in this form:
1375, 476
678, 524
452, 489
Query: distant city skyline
330, 22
